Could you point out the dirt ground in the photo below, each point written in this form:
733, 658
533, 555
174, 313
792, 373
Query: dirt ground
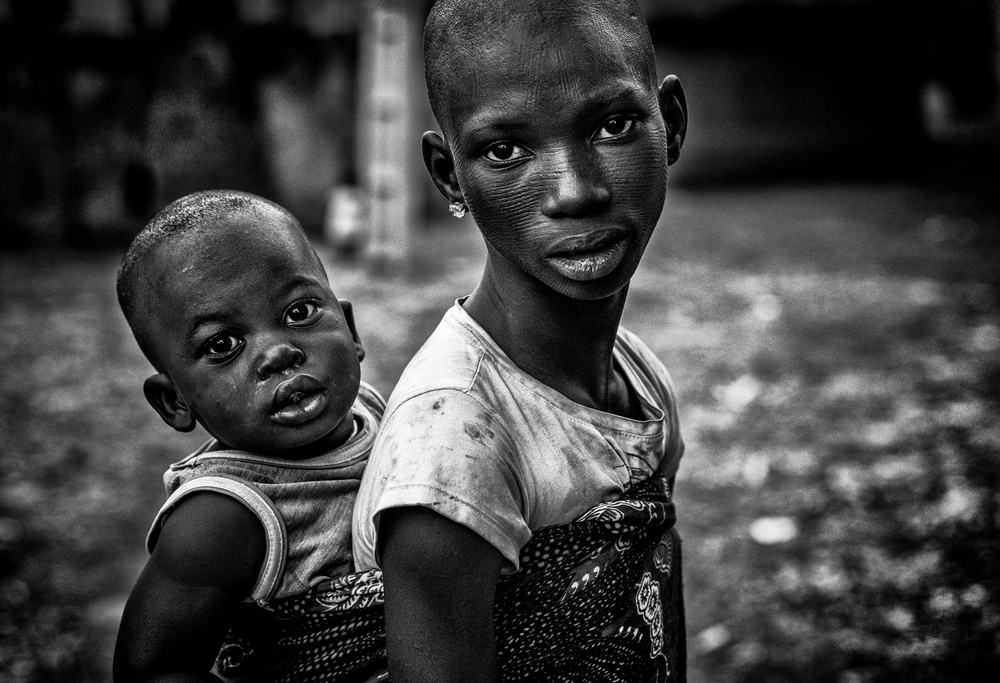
837, 354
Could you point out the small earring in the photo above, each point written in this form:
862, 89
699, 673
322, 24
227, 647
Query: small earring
457, 209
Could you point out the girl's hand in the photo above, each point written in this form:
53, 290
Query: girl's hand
440, 579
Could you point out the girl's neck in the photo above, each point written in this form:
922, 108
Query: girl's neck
565, 343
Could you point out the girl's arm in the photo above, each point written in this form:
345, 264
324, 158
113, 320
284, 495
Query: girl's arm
205, 563
440, 579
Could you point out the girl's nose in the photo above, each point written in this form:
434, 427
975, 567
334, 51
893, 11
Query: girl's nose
577, 186
279, 358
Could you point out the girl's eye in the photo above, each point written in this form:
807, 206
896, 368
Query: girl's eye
615, 127
300, 312
222, 346
504, 151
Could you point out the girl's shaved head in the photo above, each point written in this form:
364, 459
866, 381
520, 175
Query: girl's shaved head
458, 31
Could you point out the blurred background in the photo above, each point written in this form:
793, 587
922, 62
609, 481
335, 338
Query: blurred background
824, 286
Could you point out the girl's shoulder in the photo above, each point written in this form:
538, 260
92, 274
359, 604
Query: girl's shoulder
449, 359
645, 366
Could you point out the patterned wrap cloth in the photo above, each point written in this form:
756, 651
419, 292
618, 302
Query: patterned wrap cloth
599, 599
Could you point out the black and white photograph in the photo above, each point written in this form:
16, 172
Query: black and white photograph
469, 341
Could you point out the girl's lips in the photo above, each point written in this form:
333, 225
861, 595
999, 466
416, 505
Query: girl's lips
589, 265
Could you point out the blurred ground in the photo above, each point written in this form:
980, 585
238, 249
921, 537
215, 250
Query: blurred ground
837, 354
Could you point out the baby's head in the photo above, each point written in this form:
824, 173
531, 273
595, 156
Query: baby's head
232, 306
555, 133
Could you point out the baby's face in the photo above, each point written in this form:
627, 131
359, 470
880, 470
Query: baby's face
254, 340
560, 150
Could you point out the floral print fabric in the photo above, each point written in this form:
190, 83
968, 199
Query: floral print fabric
599, 599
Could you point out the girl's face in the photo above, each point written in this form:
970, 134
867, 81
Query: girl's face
560, 151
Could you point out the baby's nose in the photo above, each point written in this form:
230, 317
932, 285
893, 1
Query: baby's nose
578, 186
279, 358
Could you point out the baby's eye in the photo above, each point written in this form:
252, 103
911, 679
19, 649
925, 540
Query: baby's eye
504, 151
222, 347
614, 127
300, 312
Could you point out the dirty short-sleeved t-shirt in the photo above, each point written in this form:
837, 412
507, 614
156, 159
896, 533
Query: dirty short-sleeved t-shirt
471, 436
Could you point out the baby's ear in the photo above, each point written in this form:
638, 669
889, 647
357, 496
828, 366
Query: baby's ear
349, 317
162, 395
673, 106
441, 165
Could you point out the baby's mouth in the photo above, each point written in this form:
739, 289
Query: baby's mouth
298, 400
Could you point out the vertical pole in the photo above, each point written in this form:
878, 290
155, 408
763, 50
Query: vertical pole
996, 47
387, 143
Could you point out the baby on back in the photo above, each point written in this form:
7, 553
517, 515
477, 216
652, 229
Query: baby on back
232, 306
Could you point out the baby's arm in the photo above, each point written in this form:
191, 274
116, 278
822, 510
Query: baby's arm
440, 579
205, 563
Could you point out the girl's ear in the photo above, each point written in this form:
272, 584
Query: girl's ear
162, 395
441, 165
349, 317
673, 106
